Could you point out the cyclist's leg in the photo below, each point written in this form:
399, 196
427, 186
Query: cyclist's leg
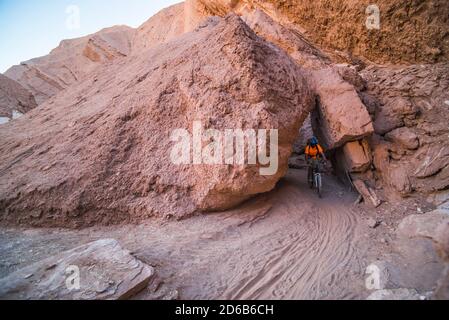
310, 174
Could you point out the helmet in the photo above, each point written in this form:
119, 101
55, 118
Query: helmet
313, 141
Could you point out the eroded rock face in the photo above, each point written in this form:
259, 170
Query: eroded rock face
14, 98
287, 38
305, 134
393, 114
100, 152
71, 61
100, 270
411, 152
408, 32
405, 137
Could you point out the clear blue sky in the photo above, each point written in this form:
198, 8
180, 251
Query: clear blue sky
31, 28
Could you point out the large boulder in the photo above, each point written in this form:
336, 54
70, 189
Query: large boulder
433, 225
265, 24
71, 61
100, 270
403, 101
357, 155
102, 151
341, 115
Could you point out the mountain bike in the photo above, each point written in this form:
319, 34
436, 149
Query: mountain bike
316, 181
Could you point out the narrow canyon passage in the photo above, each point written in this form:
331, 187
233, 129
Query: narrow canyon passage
287, 244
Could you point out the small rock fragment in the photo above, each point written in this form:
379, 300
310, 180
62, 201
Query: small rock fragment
372, 223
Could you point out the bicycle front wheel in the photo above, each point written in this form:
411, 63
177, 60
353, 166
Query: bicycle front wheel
318, 184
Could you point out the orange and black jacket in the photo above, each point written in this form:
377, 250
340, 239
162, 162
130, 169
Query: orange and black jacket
314, 151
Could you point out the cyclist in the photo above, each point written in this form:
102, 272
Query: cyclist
314, 153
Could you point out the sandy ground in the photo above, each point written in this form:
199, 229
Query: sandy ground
287, 244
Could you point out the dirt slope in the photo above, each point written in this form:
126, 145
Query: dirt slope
287, 244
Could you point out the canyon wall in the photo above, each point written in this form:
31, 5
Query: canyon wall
410, 31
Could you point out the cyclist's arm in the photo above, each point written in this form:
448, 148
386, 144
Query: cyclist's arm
323, 156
